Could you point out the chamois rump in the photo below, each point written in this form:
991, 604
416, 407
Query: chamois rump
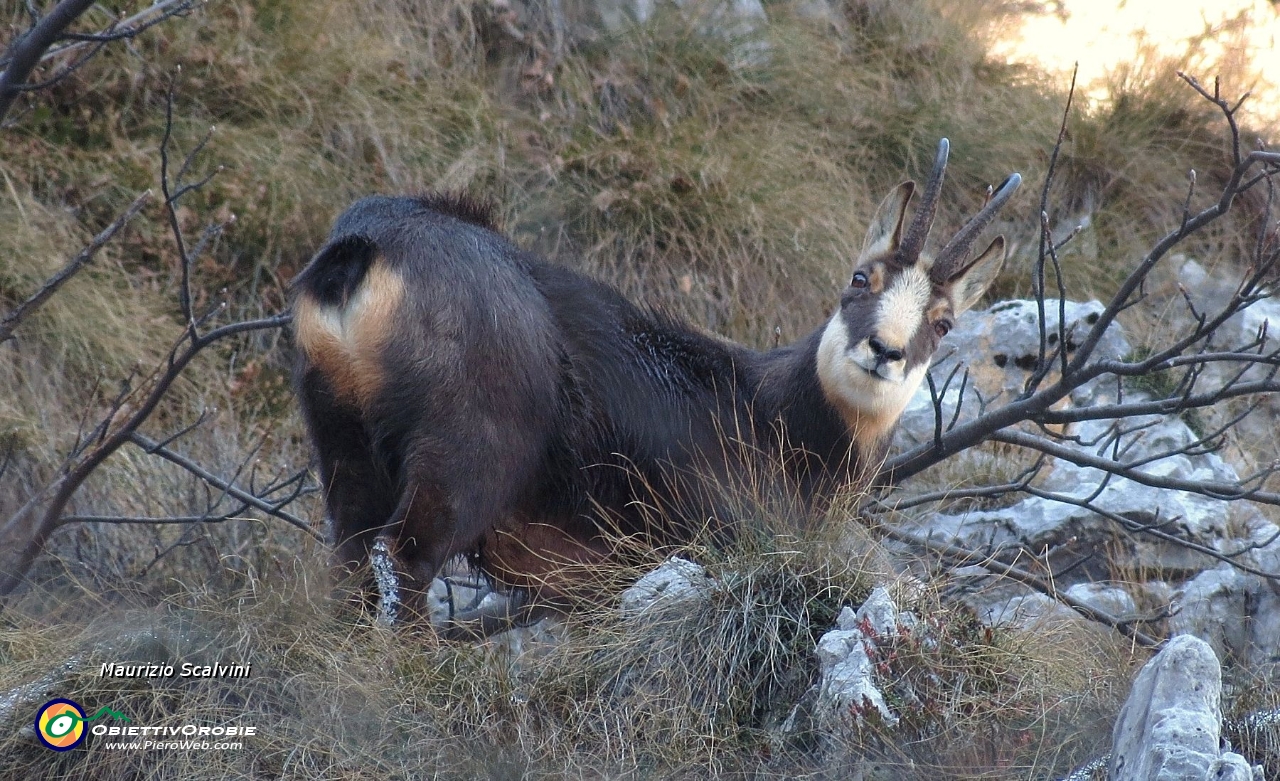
468, 397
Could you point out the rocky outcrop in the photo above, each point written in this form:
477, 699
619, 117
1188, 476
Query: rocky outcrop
999, 347
847, 688
675, 582
1169, 728
734, 16
1237, 612
1209, 291
740, 23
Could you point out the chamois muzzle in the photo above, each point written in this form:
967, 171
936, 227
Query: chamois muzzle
883, 354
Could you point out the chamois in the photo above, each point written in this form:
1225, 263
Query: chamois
468, 397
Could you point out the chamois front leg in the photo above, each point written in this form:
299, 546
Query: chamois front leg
409, 551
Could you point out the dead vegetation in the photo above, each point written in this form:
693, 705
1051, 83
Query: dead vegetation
725, 194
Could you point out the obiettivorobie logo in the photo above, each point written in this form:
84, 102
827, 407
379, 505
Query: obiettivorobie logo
60, 723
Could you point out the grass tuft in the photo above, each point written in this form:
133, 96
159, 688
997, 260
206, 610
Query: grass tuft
732, 192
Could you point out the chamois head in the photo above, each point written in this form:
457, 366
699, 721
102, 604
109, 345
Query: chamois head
900, 302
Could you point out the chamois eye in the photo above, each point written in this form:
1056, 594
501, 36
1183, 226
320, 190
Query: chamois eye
942, 328
859, 280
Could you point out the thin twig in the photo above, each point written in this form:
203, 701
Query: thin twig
962, 556
12, 320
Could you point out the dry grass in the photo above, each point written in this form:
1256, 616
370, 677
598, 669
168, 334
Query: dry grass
679, 693
733, 194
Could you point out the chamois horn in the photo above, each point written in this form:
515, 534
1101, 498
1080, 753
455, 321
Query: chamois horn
913, 241
951, 258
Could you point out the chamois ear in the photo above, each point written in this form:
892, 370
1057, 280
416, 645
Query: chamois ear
973, 279
885, 232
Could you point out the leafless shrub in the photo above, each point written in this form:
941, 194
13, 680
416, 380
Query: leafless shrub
1041, 422
141, 394
50, 38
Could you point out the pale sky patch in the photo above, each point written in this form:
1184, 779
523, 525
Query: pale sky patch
1102, 34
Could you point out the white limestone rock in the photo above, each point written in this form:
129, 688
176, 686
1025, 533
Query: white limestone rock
1211, 291
675, 581
1000, 347
847, 687
1112, 600
1168, 729
1236, 613
878, 611
1025, 612
527, 644
1038, 522
742, 22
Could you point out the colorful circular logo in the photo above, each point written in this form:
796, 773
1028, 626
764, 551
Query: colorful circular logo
60, 724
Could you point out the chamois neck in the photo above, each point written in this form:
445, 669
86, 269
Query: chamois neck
791, 398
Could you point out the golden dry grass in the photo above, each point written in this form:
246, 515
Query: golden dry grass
733, 195
676, 693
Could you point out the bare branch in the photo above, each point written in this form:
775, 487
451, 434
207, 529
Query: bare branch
952, 494
1201, 369
165, 520
132, 407
1038, 281
1036, 403
960, 556
121, 430
26, 50
1156, 529
273, 509
29, 49
12, 320
66, 71
1209, 488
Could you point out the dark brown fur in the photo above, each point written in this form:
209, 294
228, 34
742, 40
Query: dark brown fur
466, 397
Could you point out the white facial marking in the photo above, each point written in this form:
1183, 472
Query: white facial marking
870, 403
902, 307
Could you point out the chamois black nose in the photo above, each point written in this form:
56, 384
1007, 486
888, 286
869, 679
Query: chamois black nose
883, 354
